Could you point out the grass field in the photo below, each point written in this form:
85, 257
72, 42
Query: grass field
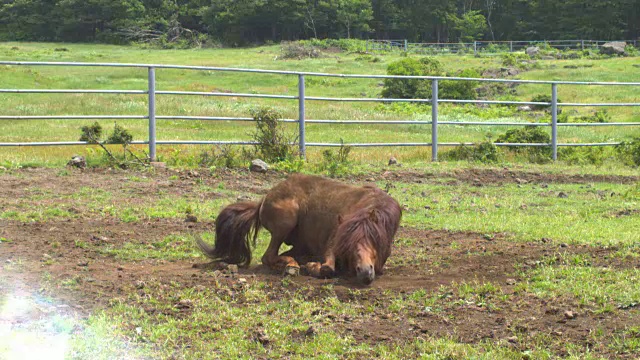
267, 58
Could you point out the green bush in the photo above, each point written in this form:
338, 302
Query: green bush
484, 152
514, 59
421, 89
349, 45
629, 152
599, 116
274, 143
583, 155
460, 90
336, 163
542, 98
411, 88
528, 135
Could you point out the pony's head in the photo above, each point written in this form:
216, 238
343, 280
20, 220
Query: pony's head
364, 238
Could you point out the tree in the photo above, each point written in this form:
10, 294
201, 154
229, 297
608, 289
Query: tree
471, 26
354, 15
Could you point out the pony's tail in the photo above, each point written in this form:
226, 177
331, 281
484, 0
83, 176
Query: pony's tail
236, 226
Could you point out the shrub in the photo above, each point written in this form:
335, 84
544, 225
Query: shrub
274, 143
458, 89
514, 59
298, 50
484, 152
629, 151
583, 155
411, 88
542, 98
336, 163
421, 89
599, 116
93, 135
528, 135
220, 156
350, 45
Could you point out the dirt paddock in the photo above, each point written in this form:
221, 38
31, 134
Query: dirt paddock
423, 259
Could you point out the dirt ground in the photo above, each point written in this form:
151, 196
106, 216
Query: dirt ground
475, 257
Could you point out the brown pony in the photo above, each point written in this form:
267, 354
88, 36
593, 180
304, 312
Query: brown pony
330, 225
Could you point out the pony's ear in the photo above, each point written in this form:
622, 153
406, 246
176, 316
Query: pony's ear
373, 215
340, 219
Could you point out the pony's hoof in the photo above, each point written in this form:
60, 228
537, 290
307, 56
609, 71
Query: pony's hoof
326, 272
292, 271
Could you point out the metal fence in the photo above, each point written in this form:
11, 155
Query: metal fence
301, 98
486, 47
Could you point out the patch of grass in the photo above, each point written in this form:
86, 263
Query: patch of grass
173, 247
603, 288
525, 212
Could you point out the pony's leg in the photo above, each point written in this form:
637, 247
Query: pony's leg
324, 270
280, 218
328, 269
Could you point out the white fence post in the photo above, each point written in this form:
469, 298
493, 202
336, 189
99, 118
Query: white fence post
434, 120
152, 114
554, 121
301, 116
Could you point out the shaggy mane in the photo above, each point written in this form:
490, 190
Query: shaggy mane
375, 223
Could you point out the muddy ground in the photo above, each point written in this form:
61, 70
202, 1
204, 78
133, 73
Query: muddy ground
50, 246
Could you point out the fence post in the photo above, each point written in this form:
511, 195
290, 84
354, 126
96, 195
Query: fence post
582, 45
406, 48
511, 46
554, 121
434, 120
152, 114
475, 48
301, 115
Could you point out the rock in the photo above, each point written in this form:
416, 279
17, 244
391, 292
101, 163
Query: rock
310, 331
232, 269
570, 315
613, 48
393, 161
521, 181
512, 339
292, 271
511, 281
259, 166
158, 165
562, 195
261, 337
524, 108
140, 284
77, 161
191, 219
512, 72
547, 58
371, 180
184, 304
83, 263
532, 51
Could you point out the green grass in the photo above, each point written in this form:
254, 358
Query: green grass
263, 58
587, 216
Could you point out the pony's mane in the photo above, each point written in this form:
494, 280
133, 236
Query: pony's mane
375, 222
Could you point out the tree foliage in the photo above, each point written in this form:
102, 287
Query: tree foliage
242, 22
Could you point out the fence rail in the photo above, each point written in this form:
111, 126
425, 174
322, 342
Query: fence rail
488, 47
301, 98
